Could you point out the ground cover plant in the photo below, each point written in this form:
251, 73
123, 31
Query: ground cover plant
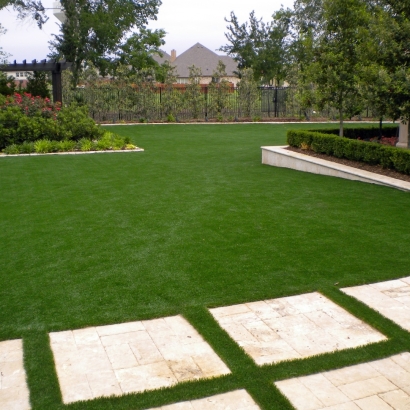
196, 221
107, 141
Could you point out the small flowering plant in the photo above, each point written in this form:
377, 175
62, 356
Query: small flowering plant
32, 106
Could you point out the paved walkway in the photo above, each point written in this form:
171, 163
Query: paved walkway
147, 355
379, 385
293, 328
390, 298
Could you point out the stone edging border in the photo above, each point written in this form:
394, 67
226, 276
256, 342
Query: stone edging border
280, 157
72, 153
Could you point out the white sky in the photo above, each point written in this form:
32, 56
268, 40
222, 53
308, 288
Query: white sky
185, 21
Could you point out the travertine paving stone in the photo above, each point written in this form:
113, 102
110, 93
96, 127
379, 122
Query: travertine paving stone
293, 327
390, 298
131, 357
236, 400
379, 385
14, 394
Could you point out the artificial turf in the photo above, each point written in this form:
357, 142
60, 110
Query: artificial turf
195, 221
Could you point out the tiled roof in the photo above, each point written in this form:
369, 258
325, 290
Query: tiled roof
201, 57
161, 60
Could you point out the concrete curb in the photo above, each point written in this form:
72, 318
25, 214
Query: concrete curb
72, 153
281, 157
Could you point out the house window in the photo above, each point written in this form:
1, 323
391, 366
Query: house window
17, 74
183, 80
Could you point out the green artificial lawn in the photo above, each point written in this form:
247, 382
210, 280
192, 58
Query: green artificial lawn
195, 221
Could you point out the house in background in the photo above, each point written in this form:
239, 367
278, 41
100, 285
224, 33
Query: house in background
203, 58
20, 77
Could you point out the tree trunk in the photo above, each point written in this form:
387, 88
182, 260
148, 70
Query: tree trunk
341, 122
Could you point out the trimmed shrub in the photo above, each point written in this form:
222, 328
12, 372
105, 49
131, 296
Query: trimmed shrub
356, 150
27, 118
388, 131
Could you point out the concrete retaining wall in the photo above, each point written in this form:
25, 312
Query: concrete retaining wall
281, 157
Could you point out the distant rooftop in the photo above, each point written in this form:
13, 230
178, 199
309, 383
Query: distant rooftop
201, 57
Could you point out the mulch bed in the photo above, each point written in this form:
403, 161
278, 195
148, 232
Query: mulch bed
377, 169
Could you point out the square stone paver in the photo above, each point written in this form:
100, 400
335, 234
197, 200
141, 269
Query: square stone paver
390, 298
293, 327
131, 357
378, 385
236, 400
14, 394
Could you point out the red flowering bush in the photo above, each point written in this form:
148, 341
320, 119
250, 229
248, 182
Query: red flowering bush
33, 106
27, 118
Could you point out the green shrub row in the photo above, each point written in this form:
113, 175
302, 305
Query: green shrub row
108, 141
388, 131
356, 150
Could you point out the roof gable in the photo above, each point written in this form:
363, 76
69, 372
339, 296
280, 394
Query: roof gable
203, 58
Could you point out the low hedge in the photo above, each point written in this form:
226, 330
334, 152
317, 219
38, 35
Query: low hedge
341, 147
388, 131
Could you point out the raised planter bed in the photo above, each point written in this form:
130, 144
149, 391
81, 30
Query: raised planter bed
281, 157
35, 154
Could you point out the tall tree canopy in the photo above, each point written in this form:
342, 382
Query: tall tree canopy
99, 31
338, 59
260, 46
27, 8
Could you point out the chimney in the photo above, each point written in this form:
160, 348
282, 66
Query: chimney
173, 56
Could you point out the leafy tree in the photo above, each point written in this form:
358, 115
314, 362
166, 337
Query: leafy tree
260, 46
139, 49
338, 64
219, 90
27, 9
248, 94
193, 92
7, 84
390, 85
97, 31
306, 28
3, 54
171, 99
38, 84
147, 93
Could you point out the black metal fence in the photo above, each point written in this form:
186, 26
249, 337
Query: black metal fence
150, 103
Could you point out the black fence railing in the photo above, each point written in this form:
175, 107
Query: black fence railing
150, 103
